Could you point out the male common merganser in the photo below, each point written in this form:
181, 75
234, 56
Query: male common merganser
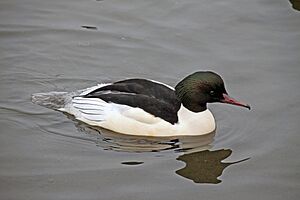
149, 108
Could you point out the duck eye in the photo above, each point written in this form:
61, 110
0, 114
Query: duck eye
212, 93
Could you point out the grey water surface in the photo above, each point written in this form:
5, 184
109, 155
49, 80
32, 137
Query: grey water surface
64, 45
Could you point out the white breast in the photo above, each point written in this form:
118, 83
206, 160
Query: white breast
136, 121
191, 123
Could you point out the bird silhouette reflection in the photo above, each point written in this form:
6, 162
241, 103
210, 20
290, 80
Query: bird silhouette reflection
205, 166
202, 165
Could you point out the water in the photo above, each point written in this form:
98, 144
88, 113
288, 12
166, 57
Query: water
68, 45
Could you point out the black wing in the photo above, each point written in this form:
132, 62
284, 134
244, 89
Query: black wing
154, 98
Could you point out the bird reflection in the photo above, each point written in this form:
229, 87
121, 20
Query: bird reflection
205, 166
295, 4
202, 165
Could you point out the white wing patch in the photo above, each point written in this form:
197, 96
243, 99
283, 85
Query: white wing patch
92, 109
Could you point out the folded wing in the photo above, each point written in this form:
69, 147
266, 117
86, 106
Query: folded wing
153, 97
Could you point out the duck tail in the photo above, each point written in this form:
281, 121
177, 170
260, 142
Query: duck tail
52, 100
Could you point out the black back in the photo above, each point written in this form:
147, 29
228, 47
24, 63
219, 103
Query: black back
154, 98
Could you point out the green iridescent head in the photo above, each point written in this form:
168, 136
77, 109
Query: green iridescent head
200, 88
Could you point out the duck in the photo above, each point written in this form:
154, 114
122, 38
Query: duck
144, 107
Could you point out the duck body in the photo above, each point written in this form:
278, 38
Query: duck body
138, 107
146, 107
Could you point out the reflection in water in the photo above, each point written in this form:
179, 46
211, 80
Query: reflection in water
132, 163
202, 164
90, 27
205, 166
295, 4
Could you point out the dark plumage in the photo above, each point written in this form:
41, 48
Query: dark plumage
200, 88
154, 98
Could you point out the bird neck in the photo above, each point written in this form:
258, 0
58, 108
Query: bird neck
190, 97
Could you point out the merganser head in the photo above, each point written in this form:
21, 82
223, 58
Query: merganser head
200, 88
